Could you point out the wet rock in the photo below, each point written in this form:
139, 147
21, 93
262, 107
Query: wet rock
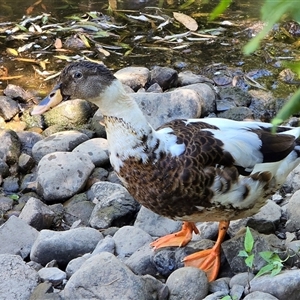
54, 168
260, 295
283, 286
70, 113
262, 242
64, 246
18, 280
17, 93
187, 283
161, 108
61, 141
18, 236
8, 108
26, 163
166, 77
96, 149
10, 146
114, 205
235, 95
135, 77
128, 239
103, 276
53, 275
37, 214
293, 213
237, 114
155, 224
140, 262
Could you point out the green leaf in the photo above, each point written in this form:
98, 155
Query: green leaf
249, 261
290, 108
14, 197
243, 253
219, 9
266, 255
249, 241
276, 271
266, 269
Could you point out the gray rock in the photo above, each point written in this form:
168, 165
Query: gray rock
64, 246
70, 113
135, 77
8, 108
187, 283
155, 224
293, 213
160, 108
260, 296
18, 236
207, 230
188, 77
293, 179
11, 184
241, 279
266, 220
154, 88
42, 291
76, 263
61, 141
141, 261
28, 139
207, 97
237, 113
96, 149
18, 280
283, 286
237, 291
4, 168
165, 77
97, 124
219, 285
115, 205
103, 276
128, 239
37, 214
216, 296
26, 163
6, 204
10, 147
53, 170
105, 245
53, 275
232, 247
236, 95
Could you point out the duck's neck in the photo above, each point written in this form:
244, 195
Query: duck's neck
128, 132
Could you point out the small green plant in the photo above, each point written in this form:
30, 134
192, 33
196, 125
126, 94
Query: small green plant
274, 262
14, 197
248, 247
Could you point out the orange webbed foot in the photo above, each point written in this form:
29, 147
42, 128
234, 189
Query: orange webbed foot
179, 239
209, 260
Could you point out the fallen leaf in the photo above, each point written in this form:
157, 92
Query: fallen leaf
186, 20
58, 43
12, 51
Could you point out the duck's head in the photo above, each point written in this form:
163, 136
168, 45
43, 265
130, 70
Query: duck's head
81, 80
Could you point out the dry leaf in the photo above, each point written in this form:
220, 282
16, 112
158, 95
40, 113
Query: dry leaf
186, 20
58, 43
12, 51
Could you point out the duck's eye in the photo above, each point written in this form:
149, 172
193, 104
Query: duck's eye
77, 75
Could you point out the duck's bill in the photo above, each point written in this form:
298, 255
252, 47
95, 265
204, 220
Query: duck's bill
50, 101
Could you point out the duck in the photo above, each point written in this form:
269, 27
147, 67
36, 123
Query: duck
191, 170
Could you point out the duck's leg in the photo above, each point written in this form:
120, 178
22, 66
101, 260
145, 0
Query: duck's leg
180, 238
209, 260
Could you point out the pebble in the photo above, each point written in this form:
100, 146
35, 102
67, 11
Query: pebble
53, 275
